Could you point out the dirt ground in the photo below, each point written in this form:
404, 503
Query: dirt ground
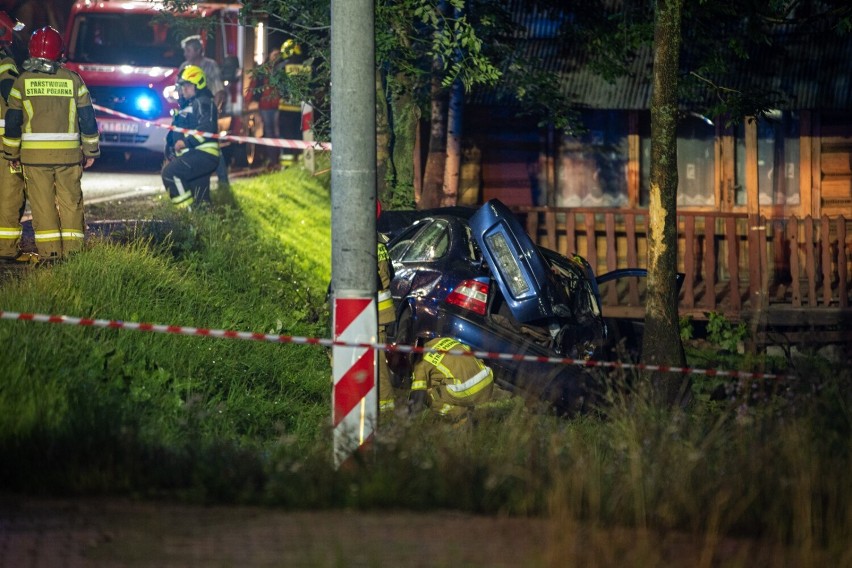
116, 533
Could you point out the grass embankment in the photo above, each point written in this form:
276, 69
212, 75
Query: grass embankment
84, 410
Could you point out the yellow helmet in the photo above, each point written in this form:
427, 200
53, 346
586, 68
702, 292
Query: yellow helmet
194, 75
290, 47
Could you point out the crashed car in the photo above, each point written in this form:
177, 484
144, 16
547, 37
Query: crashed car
476, 276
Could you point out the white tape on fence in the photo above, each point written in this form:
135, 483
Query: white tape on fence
252, 336
277, 142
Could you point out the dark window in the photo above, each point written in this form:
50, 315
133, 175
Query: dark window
593, 166
125, 39
695, 161
777, 160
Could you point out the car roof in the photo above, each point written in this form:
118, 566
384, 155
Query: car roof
393, 221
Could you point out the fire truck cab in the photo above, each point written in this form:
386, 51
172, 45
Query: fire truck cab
128, 53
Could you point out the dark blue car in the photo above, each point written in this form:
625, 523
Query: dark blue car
476, 276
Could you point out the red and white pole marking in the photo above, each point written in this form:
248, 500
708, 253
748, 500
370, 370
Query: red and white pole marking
364, 342
277, 142
354, 398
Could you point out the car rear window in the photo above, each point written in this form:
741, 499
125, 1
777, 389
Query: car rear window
430, 244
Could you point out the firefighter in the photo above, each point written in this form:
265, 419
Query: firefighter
291, 63
386, 316
191, 158
52, 133
12, 198
193, 53
449, 384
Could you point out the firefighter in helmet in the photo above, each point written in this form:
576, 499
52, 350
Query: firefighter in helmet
12, 197
192, 157
53, 141
291, 63
448, 382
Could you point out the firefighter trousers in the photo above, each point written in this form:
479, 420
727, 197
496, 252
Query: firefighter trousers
187, 177
56, 200
12, 199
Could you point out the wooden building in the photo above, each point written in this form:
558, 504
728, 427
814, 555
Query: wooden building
765, 206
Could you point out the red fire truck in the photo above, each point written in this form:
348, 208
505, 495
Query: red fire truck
128, 53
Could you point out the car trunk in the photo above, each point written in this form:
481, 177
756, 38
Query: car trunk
548, 297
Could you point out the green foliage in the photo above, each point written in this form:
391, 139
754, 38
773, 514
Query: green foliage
686, 328
724, 333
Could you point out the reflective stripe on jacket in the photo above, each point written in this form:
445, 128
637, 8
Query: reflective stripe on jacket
385, 302
50, 119
198, 114
452, 380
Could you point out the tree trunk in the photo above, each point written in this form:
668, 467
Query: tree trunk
383, 140
433, 178
662, 344
452, 165
405, 116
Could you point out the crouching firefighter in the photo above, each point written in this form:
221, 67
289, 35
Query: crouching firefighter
449, 382
192, 157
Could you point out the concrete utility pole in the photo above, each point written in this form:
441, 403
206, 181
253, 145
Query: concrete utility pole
353, 222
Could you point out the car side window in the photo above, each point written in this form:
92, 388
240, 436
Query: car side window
402, 242
430, 244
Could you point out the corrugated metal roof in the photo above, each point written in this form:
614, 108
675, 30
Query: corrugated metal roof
805, 70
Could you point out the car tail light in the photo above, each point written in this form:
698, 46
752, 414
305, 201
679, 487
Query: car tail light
471, 295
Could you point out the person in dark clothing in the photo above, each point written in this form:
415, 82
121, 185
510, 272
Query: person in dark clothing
192, 158
291, 62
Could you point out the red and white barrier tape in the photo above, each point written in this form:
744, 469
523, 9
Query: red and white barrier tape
253, 336
277, 142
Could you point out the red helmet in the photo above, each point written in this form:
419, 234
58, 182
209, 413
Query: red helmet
46, 43
7, 26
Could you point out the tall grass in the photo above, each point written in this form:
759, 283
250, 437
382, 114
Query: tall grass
750, 473
82, 408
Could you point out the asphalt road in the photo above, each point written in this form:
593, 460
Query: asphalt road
115, 177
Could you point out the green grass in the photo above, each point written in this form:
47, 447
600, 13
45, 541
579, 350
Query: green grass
86, 393
121, 412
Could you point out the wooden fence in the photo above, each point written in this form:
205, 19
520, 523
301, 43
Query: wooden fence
734, 264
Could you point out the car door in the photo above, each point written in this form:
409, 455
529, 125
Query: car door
517, 265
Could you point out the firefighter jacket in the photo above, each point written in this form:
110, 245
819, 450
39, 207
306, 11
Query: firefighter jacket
50, 120
198, 113
293, 65
452, 382
385, 301
8, 74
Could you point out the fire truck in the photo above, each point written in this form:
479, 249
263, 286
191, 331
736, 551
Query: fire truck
128, 53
